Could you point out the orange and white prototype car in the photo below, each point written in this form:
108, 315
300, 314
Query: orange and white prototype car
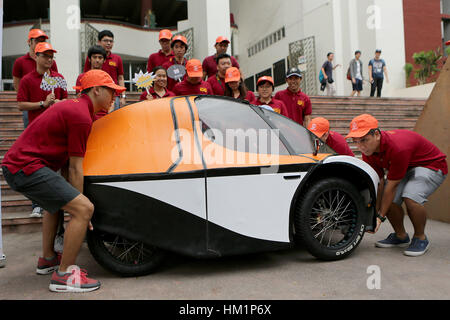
212, 176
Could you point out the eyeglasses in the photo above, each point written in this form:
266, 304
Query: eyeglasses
46, 56
362, 140
107, 40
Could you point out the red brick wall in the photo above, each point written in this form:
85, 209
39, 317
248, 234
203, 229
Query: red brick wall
422, 21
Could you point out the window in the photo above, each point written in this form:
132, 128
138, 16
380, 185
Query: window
239, 126
279, 72
250, 83
299, 138
267, 72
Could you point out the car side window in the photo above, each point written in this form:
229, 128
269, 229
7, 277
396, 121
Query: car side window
236, 126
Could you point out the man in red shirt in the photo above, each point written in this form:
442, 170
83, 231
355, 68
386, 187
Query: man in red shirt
31, 97
27, 63
179, 46
321, 128
163, 55
56, 137
193, 84
265, 86
217, 82
210, 63
113, 64
297, 103
415, 169
97, 56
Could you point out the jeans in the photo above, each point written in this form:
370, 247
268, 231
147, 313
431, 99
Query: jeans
377, 84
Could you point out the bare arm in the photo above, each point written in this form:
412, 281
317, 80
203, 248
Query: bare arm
27, 106
76, 173
386, 74
16, 83
370, 73
306, 121
121, 81
324, 74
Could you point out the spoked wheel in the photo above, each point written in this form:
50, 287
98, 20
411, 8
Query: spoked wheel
329, 219
123, 256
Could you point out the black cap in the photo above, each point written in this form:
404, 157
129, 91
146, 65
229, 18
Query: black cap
294, 72
378, 50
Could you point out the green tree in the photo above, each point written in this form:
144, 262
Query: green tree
428, 64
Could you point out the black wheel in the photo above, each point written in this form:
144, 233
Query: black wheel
122, 256
328, 219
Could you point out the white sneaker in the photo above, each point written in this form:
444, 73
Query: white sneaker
36, 213
59, 244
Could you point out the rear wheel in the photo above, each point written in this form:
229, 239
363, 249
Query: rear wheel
122, 256
328, 219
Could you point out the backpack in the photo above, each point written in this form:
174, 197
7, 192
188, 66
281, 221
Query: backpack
321, 77
349, 76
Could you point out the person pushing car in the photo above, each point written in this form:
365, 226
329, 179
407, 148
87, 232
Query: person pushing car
59, 135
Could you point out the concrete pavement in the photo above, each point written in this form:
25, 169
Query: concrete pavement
285, 275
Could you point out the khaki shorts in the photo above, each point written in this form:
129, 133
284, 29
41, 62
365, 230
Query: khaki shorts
418, 184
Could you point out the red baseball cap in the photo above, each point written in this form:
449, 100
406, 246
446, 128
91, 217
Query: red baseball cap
43, 46
179, 38
194, 68
232, 74
98, 78
265, 78
36, 33
165, 34
361, 125
319, 126
222, 39
447, 43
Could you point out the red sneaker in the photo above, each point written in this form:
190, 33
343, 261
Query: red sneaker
74, 281
48, 266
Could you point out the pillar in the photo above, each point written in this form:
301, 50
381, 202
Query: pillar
65, 37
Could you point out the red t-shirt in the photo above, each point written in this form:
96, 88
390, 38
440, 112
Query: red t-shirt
155, 95
210, 65
170, 82
217, 84
158, 59
113, 65
298, 104
401, 150
338, 143
26, 64
277, 105
30, 91
58, 134
185, 88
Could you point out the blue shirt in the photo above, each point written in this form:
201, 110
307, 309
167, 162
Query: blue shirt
377, 68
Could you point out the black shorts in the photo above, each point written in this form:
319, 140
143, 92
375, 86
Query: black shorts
44, 187
357, 86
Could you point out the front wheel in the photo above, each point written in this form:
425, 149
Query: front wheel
329, 219
122, 256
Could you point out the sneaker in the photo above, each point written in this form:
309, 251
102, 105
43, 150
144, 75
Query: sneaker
392, 241
417, 247
36, 213
59, 243
75, 281
46, 266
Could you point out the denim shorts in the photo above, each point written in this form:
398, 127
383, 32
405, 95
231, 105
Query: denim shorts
418, 184
358, 85
45, 187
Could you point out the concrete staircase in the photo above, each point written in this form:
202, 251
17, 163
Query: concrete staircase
392, 114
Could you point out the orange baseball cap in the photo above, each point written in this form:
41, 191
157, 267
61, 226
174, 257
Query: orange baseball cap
232, 74
179, 38
222, 39
98, 78
194, 68
361, 125
319, 126
165, 34
265, 78
43, 46
36, 33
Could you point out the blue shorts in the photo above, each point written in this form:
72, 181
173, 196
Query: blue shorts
358, 85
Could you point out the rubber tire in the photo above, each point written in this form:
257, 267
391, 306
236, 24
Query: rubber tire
304, 233
107, 261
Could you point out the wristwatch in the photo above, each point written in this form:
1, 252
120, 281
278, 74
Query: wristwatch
41, 104
379, 216
123, 95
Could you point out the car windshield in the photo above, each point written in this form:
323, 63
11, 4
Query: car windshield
236, 126
300, 139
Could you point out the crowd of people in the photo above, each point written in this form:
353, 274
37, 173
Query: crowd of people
377, 73
55, 137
